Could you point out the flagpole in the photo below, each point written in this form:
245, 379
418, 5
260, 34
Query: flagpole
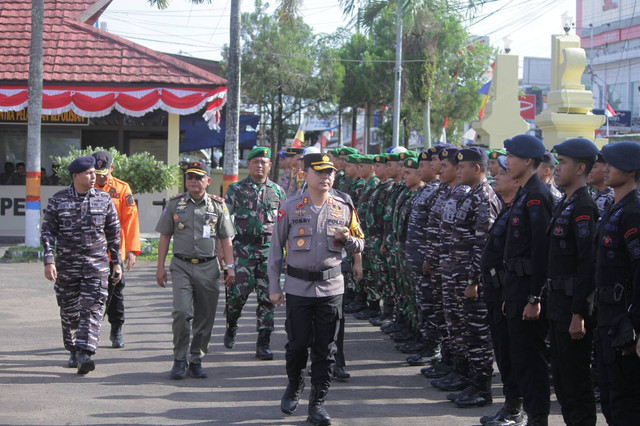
607, 126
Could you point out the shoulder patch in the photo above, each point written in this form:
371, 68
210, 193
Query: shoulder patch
583, 217
630, 232
175, 197
533, 203
281, 214
130, 200
217, 198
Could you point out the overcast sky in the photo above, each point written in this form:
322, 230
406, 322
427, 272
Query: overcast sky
201, 31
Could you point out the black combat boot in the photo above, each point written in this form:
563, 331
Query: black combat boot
386, 316
85, 363
479, 397
116, 338
452, 382
317, 413
359, 303
291, 396
437, 370
428, 355
263, 351
340, 374
511, 414
73, 361
196, 371
230, 335
372, 311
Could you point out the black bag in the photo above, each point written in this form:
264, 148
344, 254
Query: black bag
622, 334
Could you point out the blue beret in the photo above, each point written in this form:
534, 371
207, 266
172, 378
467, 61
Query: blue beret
624, 155
549, 158
577, 148
81, 164
525, 146
473, 153
502, 162
600, 158
449, 154
425, 156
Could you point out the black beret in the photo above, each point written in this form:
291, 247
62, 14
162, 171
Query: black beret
600, 158
623, 155
473, 153
525, 146
577, 148
81, 164
449, 154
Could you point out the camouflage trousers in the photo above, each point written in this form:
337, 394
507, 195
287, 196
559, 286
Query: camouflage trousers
371, 270
251, 275
477, 337
452, 295
405, 287
81, 300
390, 287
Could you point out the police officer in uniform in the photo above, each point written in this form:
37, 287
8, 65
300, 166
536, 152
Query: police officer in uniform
546, 170
617, 278
127, 209
602, 194
526, 259
81, 223
196, 221
253, 203
316, 226
570, 282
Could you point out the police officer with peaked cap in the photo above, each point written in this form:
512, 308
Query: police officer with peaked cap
316, 226
81, 224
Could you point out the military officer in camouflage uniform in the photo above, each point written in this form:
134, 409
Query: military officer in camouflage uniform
416, 246
374, 220
253, 203
196, 221
602, 194
81, 224
476, 213
317, 226
570, 283
545, 173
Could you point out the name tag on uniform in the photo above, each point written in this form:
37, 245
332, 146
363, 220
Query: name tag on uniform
206, 232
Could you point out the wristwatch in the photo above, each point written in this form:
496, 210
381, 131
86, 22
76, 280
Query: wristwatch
533, 300
230, 266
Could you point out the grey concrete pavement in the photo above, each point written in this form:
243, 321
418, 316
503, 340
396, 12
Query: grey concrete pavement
132, 385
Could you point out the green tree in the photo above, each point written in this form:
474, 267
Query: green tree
141, 171
287, 69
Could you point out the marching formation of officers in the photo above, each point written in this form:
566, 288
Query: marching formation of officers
470, 255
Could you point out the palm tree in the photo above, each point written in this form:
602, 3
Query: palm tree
230, 165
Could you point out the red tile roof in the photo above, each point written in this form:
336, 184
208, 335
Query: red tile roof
77, 53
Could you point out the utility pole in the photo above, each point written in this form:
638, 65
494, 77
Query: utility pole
398, 79
230, 165
34, 120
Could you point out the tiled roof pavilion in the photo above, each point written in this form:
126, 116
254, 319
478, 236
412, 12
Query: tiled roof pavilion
77, 53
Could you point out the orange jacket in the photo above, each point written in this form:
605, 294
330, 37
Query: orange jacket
127, 214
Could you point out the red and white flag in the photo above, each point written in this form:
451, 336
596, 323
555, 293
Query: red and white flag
609, 112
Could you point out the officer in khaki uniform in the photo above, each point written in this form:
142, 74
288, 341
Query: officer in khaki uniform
196, 220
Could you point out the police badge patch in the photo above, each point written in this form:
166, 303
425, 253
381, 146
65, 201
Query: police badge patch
130, 200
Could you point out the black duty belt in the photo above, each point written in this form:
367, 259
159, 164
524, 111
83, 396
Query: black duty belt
194, 260
520, 267
610, 295
564, 285
252, 239
494, 278
314, 275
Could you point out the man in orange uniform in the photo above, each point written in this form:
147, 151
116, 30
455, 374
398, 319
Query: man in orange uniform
129, 235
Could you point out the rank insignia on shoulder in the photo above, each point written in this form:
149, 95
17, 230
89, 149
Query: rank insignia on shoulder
281, 214
217, 198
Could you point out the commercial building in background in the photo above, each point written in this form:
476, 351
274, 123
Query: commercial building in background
610, 34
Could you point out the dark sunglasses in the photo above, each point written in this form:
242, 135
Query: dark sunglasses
194, 176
